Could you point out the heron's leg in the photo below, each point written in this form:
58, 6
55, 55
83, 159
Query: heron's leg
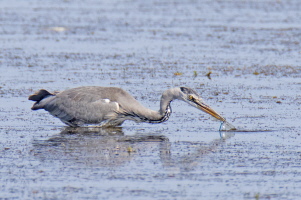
112, 123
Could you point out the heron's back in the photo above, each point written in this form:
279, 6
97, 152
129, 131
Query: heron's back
84, 105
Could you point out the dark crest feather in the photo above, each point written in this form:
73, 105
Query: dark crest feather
187, 90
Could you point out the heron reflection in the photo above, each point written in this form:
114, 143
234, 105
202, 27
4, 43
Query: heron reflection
100, 147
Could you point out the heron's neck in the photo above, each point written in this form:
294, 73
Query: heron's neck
165, 109
158, 116
140, 113
143, 114
166, 98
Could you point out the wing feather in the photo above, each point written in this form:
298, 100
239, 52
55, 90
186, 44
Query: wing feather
82, 106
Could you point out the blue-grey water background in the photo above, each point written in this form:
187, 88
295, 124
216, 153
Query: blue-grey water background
243, 57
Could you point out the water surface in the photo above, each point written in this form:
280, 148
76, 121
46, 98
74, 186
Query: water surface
251, 48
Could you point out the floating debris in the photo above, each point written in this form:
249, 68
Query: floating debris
209, 74
130, 150
178, 74
57, 29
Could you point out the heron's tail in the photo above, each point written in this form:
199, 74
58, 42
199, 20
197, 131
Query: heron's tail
38, 97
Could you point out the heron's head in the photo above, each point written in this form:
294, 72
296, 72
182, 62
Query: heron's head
191, 97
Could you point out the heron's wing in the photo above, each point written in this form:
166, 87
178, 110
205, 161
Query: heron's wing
81, 108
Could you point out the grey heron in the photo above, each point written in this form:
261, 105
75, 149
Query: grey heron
111, 106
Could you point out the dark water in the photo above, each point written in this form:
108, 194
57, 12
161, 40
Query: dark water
251, 48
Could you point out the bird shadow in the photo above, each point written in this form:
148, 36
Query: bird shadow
110, 147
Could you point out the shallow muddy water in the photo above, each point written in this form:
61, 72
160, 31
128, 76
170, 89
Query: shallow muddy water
243, 57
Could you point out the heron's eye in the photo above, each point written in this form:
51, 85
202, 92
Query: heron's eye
190, 97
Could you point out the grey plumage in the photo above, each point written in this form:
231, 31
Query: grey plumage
111, 106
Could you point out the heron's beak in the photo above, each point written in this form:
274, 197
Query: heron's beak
207, 109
